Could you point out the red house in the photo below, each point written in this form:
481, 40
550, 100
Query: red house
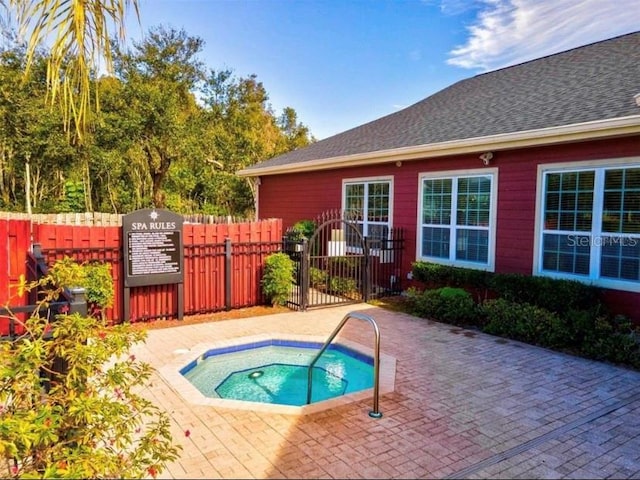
532, 169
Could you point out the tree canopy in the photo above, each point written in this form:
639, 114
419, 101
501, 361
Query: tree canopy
79, 33
170, 132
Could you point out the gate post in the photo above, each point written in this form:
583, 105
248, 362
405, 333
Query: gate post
304, 275
366, 284
78, 303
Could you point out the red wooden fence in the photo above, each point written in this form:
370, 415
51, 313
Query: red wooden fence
15, 240
84, 243
211, 251
15, 237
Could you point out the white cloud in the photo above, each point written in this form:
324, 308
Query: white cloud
507, 32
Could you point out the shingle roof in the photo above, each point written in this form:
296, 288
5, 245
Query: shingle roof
594, 82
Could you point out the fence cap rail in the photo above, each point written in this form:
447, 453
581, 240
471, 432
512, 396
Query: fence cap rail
103, 219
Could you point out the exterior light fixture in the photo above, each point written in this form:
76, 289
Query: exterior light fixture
486, 158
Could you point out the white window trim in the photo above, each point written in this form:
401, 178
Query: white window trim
389, 179
560, 167
493, 215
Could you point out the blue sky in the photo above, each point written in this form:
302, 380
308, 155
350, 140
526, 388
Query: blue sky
342, 63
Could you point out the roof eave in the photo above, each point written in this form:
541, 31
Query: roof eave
594, 130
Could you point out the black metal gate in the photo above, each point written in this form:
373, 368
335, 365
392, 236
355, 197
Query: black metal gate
337, 265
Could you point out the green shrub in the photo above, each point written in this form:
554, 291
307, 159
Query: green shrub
277, 278
74, 198
447, 304
561, 314
306, 227
556, 295
299, 230
94, 277
317, 277
342, 285
67, 273
613, 339
525, 322
448, 276
99, 284
347, 266
582, 324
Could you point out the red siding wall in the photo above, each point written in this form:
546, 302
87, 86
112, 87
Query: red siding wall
294, 197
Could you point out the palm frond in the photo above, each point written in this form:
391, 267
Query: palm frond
78, 32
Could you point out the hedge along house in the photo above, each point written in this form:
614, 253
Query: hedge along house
533, 169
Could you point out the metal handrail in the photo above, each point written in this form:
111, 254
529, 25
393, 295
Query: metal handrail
376, 358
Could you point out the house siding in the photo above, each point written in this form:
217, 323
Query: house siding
516, 210
293, 197
298, 196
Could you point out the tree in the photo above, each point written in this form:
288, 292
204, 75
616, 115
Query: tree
35, 156
81, 44
165, 134
157, 82
242, 131
295, 134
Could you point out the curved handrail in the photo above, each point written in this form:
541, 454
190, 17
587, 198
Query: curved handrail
376, 358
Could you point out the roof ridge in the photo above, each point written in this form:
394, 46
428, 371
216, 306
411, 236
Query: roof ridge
579, 47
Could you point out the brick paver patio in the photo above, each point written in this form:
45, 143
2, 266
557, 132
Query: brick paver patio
465, 405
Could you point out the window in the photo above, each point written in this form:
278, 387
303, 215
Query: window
591, 225
368, 204
456, 219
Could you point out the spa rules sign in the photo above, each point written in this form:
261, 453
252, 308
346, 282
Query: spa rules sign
153, 252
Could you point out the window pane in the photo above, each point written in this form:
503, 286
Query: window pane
568, 181
473, 201
354, 200
367, 204
620, 258
472, 245
569, 207
569, 201
621, 205
353, 239
566, 253
552, 182
378, 232
378, 202
552, 212
435, 242
436, 202
473, 210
